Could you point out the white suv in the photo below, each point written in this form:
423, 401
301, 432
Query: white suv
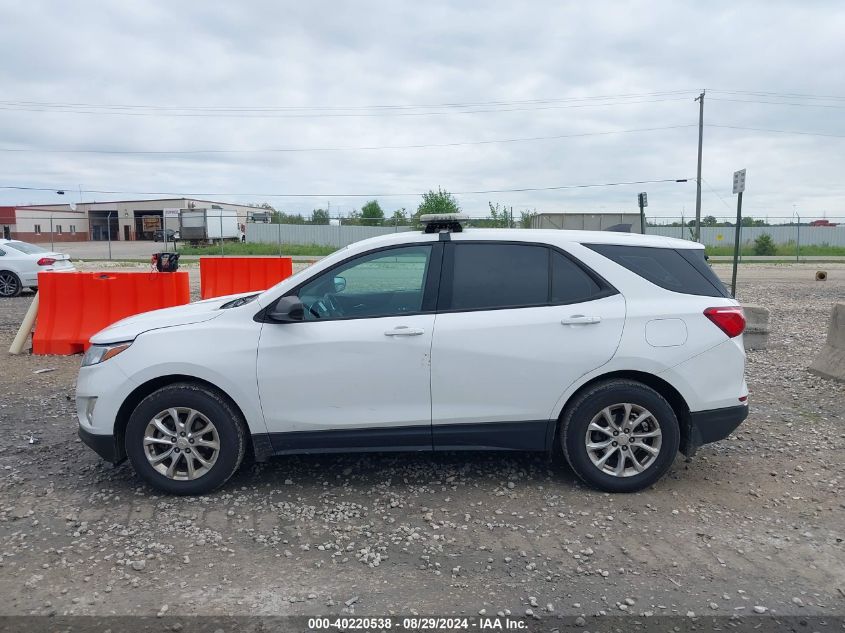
619, 349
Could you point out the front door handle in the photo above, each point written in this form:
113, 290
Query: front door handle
404, 330
580, 319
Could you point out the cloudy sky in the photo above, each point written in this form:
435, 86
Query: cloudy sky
468, 96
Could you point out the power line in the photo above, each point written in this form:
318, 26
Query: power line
764, 129
56, 104
790, 95
345, 108
339, 195
783, 103
337, 149
262, 115
704, 180
396, 147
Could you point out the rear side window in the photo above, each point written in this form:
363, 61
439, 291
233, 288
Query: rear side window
499, 276
570, 283
674, 270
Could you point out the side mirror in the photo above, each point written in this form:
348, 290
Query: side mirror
287, 310
339, 283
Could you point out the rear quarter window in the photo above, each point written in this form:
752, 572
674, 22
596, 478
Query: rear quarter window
678, 270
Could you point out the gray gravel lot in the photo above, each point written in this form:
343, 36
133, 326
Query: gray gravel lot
753, 524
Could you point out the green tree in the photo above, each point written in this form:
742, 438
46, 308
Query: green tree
372, 214
500, 216
749, 221
439, 201
319, 216
526, 219
764, 245
279, 217
399, 218
709, 220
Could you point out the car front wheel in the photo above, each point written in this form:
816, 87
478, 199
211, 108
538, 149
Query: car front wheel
185, 439
620, 436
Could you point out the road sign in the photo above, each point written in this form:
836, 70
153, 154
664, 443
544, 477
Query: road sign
642, 199
739, 181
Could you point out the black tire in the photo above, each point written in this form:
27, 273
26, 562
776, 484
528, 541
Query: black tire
587, 405
228, 423
10, 284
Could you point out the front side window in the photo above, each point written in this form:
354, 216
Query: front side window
59, 229
384, 283
38, 229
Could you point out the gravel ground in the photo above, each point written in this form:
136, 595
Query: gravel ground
753, 524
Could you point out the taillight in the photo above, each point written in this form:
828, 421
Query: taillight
729, 319
46, 261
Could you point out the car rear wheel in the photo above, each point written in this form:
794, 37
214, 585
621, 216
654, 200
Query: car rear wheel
10, 284
620, 436
185, 439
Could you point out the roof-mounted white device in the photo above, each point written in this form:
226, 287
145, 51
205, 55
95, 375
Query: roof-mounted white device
443, 222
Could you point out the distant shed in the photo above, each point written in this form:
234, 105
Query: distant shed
626, 222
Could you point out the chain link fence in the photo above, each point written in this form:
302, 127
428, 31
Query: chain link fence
114, 238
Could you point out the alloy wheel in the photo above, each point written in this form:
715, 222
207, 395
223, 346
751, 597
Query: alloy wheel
623, 440
181, 443
9, 285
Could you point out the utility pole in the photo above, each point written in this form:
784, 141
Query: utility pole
700, 99
739, 188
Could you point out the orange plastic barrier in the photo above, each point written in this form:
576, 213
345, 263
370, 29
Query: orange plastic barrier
75, 306
221, 276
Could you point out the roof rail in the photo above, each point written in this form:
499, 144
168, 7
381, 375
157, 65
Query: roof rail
443, 222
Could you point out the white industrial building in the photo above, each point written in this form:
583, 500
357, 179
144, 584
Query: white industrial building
118, 220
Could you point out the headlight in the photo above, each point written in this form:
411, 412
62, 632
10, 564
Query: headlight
99, 353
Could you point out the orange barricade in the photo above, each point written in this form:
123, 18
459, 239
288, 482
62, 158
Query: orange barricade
75, 306
221, 276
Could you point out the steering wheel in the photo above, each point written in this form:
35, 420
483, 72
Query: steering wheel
325, 307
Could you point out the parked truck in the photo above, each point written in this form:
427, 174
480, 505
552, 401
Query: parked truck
208, 225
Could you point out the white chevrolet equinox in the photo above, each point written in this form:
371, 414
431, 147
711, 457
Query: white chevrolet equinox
618, 349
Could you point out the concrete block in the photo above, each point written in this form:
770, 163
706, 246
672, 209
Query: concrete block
830, 362
756, 335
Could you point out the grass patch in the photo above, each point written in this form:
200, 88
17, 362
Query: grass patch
781, 250
250, 248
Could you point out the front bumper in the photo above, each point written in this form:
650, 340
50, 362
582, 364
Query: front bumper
104, 445
713, 425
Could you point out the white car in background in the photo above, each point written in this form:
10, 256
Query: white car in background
20, 263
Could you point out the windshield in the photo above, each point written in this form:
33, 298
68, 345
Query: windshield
25, 247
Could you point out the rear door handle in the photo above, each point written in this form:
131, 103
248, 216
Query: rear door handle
404, 330
580, 319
